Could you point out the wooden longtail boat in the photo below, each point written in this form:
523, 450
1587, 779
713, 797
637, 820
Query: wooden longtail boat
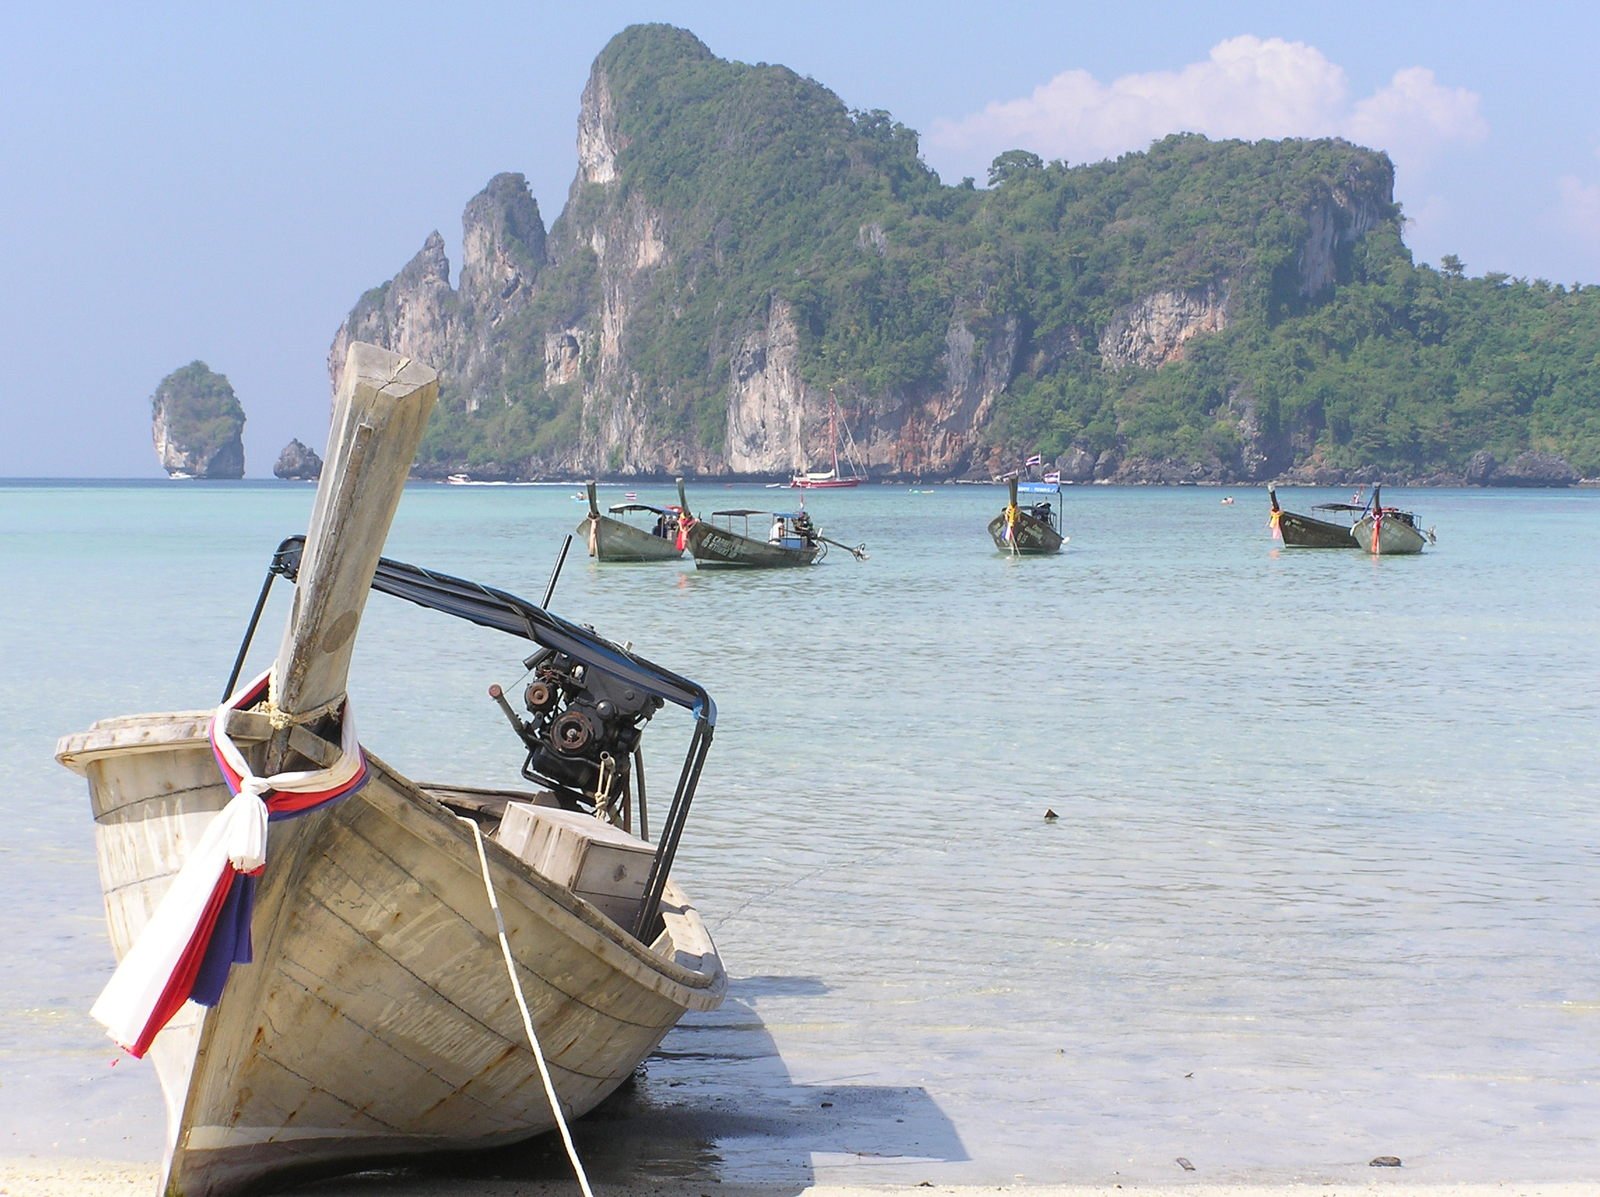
794, 540
1307, 532
1384, 531
414, 946
613, 539
1033, 529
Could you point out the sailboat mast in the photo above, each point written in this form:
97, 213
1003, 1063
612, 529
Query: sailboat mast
833, 430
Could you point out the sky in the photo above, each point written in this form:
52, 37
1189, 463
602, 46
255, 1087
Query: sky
222, 181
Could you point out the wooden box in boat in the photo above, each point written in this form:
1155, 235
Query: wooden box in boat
604, 865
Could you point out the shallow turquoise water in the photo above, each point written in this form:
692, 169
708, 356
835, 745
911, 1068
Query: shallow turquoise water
1324, 883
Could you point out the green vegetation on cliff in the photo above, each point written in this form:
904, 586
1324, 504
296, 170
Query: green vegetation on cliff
1311, 336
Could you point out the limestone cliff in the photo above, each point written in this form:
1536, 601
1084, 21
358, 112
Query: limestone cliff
1152, 331
737, 245
197, 424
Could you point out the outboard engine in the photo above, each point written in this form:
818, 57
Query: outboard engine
582, 725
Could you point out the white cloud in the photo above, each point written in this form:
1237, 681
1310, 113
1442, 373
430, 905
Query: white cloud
1414, 115
1578, 209
1248, 87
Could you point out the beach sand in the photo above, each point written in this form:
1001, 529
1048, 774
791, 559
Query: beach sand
89, 1178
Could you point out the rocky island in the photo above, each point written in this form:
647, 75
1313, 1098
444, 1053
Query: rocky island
298, 462
198, 424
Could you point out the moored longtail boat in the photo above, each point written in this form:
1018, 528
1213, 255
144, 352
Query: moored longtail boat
1385, 531
1034, 529
793, 540
1308, 532
613, 539
414, 969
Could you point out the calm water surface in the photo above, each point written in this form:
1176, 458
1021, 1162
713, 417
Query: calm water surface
1325, 882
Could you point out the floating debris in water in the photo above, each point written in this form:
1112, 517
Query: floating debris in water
1385, 1161
1185, 1164
1050, 816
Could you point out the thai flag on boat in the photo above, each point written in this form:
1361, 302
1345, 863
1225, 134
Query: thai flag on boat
202, 926
1036, 459
1053, 477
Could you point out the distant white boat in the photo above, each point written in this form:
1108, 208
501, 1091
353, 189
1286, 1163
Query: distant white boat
459, 479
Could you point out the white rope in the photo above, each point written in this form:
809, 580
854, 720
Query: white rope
527, 1019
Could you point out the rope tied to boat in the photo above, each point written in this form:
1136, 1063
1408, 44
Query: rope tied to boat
522, 1005
201, 928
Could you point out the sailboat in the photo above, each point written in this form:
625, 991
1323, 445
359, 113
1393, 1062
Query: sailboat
833, 479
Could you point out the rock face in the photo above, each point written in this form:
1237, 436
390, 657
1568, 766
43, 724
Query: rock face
197, 424
298, 463
1152, 332
1526, 469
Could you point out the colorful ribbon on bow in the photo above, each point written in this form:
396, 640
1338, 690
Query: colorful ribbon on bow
1272, 522
202, 926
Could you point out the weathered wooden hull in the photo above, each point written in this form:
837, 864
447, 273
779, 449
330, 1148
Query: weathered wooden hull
614, 540
377, 1020
1032, 536
718, 548
1394, 536
1307, 532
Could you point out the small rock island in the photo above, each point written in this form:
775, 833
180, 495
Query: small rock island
298, 463
198, 424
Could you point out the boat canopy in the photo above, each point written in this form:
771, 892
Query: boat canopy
624, 508
505, 612
1338, 507
1038, 488
745, 511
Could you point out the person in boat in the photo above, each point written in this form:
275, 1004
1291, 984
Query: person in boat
1040, 512
776, 535
661, 526
804, 528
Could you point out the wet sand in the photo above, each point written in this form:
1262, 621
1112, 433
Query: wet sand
88, 1178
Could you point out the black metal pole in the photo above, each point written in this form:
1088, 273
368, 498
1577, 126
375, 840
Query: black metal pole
556, 572
249, 635
672, 832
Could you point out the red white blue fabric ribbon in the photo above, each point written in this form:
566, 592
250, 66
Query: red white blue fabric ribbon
202, 926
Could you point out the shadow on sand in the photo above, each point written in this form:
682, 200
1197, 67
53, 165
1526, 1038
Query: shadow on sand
715, 1104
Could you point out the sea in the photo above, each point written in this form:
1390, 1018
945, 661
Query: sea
1177, 856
